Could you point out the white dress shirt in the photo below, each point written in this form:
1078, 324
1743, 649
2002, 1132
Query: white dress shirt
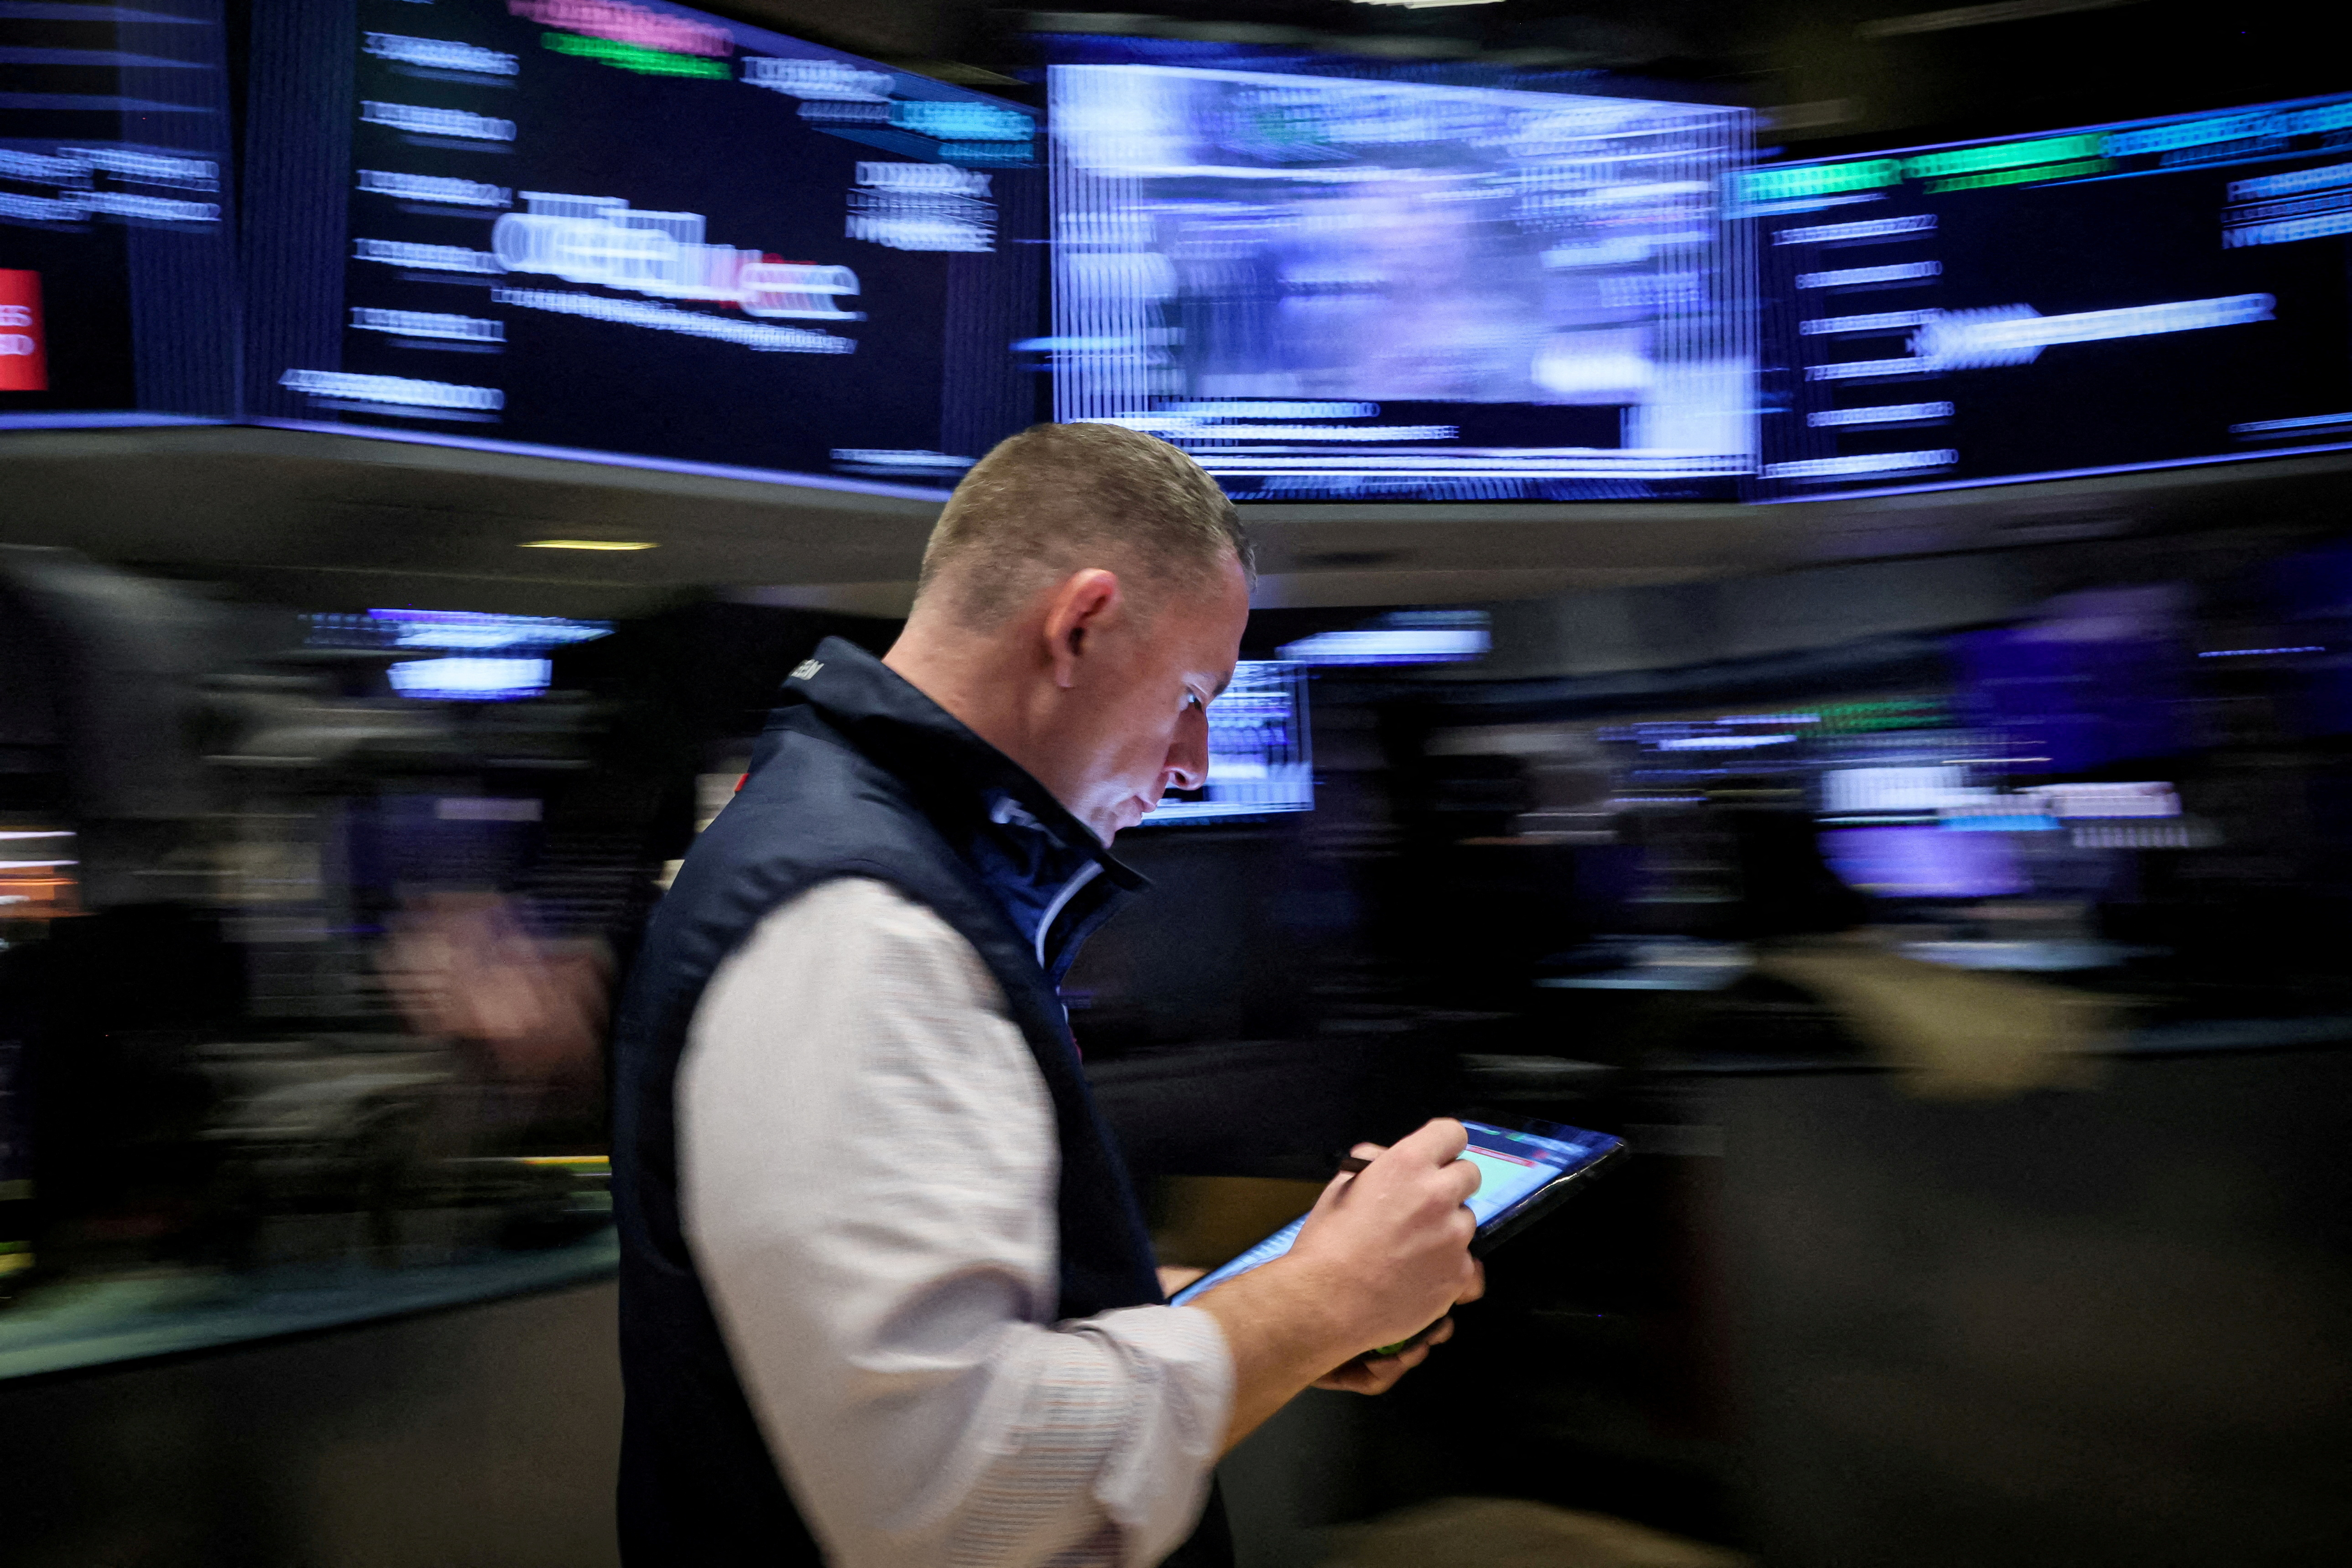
867, 1166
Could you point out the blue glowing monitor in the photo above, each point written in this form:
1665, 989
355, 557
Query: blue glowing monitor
1924, 862
484, 657
1339, 288
117, 292
629, 231
455, 631
2113, 298
1260, 760
470, 679
1400, 638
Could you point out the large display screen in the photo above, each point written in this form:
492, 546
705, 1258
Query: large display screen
1340, 288
2084, 301
616, 227
117, 280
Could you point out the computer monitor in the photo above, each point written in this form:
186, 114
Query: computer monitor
1343, 287
1924, 862
1399, 637
461, 656
1260, 760
629, 230
2112, 297
2094, 678
117, 267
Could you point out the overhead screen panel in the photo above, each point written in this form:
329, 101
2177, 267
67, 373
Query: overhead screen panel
117, 293
1337, 287
2084, 301
637, 231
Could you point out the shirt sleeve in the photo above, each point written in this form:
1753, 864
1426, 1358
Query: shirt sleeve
867, 1164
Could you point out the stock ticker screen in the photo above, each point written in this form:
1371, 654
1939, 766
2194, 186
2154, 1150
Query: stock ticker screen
1352, 288
603, 229
2125, 296
117, 282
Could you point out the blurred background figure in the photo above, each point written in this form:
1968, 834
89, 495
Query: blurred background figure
529, 1015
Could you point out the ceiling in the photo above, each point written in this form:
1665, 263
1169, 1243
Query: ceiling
330, 521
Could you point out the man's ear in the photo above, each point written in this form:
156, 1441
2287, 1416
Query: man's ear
1081, 606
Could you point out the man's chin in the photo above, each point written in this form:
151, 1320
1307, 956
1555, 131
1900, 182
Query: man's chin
1105, 826
1125, 816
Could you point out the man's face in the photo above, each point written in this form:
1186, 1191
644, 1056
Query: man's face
1138, 722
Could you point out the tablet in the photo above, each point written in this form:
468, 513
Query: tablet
1526, 1168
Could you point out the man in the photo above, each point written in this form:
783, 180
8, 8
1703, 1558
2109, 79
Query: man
887, 1301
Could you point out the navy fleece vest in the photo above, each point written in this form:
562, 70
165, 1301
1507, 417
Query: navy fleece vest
859, 775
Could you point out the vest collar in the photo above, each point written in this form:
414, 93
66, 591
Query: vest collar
1055, 879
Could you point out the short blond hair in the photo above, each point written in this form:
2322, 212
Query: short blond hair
1056, 498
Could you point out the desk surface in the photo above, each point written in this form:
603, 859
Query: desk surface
75, 1324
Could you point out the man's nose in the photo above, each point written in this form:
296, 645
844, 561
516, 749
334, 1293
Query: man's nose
1187, 757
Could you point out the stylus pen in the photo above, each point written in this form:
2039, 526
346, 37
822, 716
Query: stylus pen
1350, 1165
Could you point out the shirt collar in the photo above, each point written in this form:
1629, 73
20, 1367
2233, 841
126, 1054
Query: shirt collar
1034, 855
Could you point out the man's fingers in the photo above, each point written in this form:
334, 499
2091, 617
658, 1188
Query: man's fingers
1333, 1188
1439, 1142
1466, 1176
1378, 1375
1368, 1150
1477, 1283
1374, 1374
1355, 1377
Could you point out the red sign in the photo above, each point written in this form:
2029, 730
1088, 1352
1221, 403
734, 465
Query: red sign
24, 346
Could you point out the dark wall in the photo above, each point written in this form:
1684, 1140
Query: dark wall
484, 1438
1227, 945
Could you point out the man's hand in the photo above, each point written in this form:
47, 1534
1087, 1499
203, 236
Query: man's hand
1383, 1256
1393, 1240
1379, 1373
1174, 1277
1369, 1373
